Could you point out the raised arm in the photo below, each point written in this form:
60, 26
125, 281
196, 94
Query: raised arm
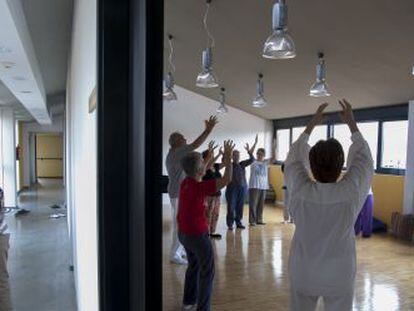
250, 152
297, 162
360, 167
228, 173
210, 158
209, 126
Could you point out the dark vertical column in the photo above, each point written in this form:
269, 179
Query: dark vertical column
153, 126
113, 153
130, 57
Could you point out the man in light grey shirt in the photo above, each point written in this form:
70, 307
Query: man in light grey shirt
180, 148
5, 301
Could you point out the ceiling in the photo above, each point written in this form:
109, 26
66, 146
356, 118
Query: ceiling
368, 46
6, 97
49, 23
36, 36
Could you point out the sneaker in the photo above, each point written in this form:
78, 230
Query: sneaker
178, 260
21, 212
230, 228
189, 308
240, 226
215, 236
252, 224
261, 223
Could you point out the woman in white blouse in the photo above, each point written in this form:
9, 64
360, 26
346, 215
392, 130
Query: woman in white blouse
322, 261
258, 184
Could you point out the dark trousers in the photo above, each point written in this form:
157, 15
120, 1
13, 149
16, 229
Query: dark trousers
235, 202
199, 276
256, 203
364, 220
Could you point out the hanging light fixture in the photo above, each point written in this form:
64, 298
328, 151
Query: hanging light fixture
320, 87
207, 78
279, 45
223, 107
169, 94
259, 101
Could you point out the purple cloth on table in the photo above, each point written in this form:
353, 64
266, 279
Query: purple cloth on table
364, 220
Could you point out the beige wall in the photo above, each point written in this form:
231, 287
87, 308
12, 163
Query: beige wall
388, 192
49, 155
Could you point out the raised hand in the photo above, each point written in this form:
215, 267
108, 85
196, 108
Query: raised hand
212, 146
317, 118
319, 113
250, 150
247, 147
347, 115
228, 150
211, 123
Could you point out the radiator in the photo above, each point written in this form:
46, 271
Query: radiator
402, 226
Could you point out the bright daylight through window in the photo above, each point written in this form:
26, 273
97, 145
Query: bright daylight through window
368, 129
320, 132
394, 144
283, 144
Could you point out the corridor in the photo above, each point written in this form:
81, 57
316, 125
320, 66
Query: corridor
39, 257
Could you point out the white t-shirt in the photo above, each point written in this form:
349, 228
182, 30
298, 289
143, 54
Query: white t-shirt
259, 178
175, 170
323, 257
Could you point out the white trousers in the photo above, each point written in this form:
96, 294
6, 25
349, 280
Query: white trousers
301, 302
5, 300
177, 250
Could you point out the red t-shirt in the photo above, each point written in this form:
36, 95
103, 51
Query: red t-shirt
191, 217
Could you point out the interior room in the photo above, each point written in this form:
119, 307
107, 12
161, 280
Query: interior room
206, 155
345, 46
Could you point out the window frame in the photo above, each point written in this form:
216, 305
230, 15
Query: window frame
376, 114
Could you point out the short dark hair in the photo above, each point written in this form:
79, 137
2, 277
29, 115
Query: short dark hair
192, 163
326, 160
262, 150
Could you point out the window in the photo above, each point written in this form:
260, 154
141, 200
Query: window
394, 144
318, 133
368, 129
283, 144
296, 131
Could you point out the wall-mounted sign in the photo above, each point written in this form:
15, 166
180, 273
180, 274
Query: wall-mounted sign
92, 100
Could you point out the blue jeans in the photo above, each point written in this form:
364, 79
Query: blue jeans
235, 202
199, 276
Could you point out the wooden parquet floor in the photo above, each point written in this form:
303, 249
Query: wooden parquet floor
251, 269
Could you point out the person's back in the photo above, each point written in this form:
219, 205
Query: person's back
322, 257
324, 240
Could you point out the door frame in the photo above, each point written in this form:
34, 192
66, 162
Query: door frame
129, 131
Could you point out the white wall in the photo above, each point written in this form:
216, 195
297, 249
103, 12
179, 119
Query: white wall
34, 127
81, 155
8, 156
187, 116
409, 173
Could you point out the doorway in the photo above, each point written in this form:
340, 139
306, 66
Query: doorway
49, 155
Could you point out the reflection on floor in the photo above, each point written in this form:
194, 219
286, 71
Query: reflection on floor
251, 269
39, 256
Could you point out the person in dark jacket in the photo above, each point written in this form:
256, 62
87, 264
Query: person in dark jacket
236, 190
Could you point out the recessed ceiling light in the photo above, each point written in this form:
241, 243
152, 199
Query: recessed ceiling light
18, 78
26, 92
5, 49
7, 65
